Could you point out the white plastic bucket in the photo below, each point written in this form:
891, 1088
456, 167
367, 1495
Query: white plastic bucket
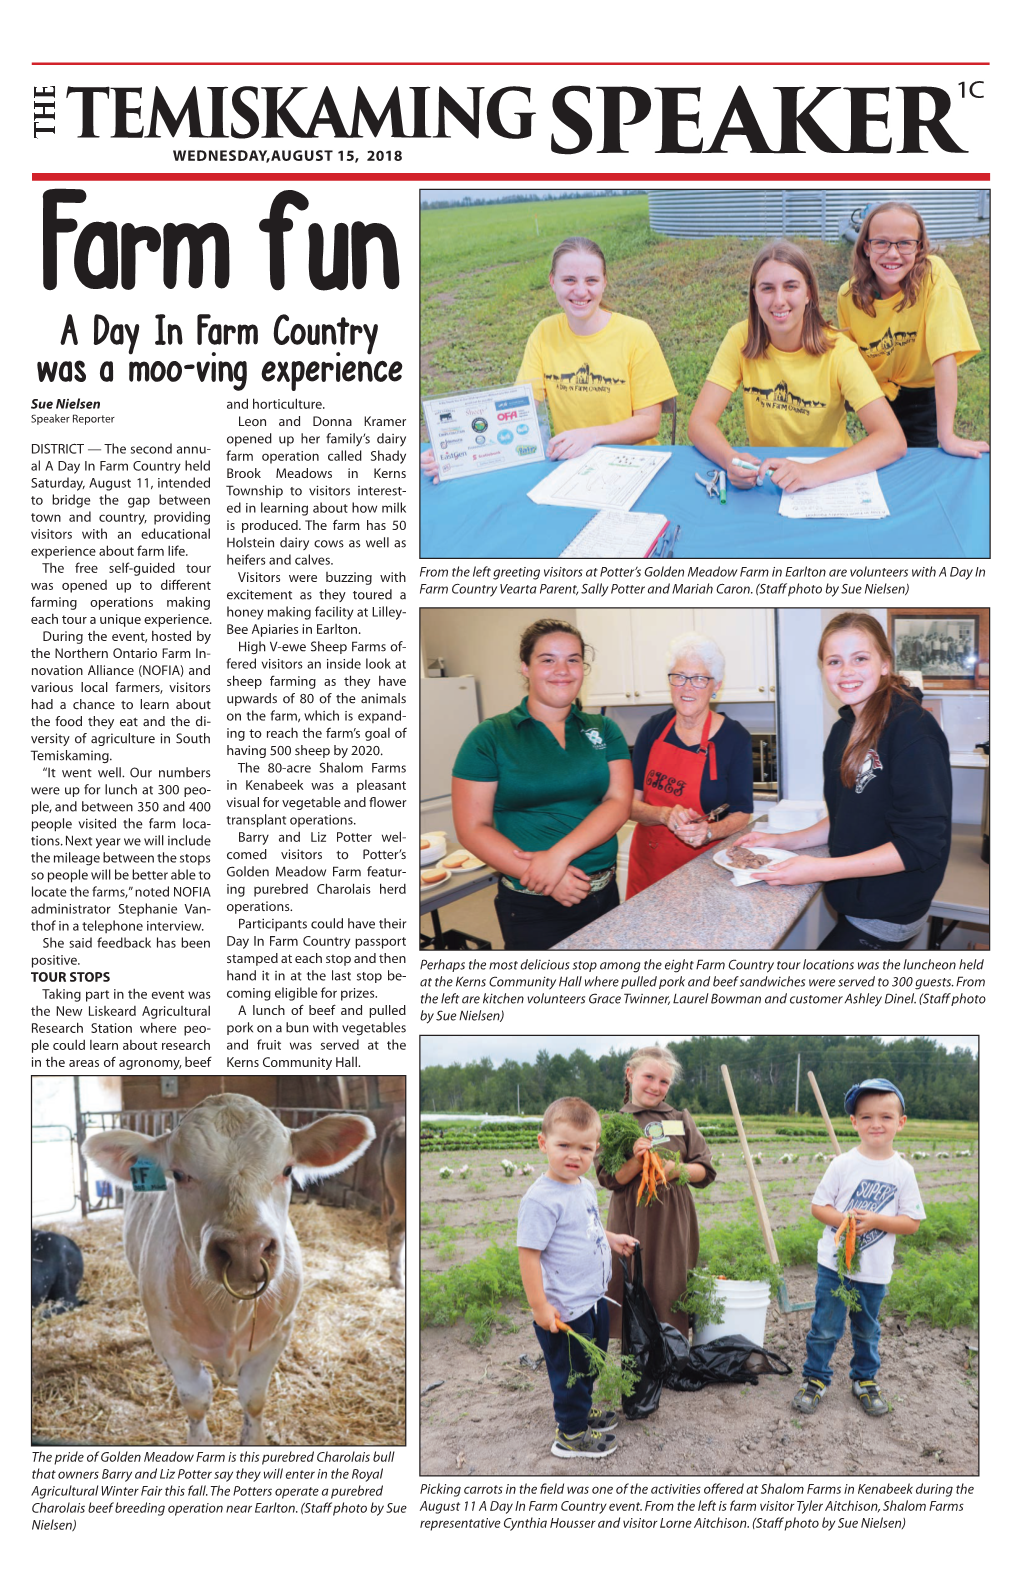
747, 1303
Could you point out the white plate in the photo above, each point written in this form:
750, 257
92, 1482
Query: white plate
436, 847
748, 877
471, 862
430, 886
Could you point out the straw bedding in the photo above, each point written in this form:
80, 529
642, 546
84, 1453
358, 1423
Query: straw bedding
341, 1380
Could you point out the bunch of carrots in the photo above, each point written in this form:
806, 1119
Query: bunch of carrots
652, 1173
848, 1259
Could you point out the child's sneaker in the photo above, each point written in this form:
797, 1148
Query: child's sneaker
808, 1396
590, 1443
870, 1397
602, 1417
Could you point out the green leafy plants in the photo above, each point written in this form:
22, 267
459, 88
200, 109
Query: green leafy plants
615, 1377
620, 1133
941, 1287
737, 1251
953, 1223
474, 1292
702, 1300
733, 1252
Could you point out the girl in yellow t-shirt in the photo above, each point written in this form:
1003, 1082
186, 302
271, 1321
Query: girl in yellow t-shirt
797, 376
603, 375
905, 310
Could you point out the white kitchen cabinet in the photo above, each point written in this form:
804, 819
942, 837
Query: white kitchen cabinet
611, 680
629, 667
747, 639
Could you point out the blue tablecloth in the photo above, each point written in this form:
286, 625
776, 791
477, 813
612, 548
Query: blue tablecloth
939, 508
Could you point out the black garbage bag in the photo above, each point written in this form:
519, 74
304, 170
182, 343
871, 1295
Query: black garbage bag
732, 1359
641, 1340
678, 1351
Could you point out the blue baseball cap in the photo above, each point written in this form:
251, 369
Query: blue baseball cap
878, 1085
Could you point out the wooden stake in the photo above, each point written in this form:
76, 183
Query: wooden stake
752, 1175
825, 1115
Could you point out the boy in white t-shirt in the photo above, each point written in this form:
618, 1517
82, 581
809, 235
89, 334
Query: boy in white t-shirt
878, 1187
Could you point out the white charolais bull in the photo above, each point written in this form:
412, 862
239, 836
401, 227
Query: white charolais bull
201, 1250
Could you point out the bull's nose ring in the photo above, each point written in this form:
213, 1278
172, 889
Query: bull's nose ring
249, 1296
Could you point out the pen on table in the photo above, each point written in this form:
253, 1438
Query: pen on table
748, 465
722, 485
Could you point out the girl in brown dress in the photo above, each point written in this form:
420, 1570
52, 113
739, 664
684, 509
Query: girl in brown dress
667, 1231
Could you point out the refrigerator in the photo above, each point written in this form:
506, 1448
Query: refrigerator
449, 710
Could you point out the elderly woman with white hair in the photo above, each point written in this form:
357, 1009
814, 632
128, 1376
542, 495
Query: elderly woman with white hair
688, 761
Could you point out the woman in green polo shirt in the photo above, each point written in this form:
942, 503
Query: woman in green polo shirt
540, 793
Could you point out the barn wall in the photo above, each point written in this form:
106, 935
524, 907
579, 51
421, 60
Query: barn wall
143, 1094
297, 1097
361, 1185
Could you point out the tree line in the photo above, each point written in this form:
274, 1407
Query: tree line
938, 1084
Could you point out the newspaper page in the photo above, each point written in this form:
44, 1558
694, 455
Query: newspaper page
654, 1144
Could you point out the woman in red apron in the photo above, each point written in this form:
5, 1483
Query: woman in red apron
687, 763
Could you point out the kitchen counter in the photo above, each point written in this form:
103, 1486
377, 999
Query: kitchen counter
699, 908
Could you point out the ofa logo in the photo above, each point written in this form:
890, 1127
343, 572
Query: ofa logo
526, 448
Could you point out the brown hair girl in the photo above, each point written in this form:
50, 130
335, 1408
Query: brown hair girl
864, 286
875, 712
549, 626
818, 336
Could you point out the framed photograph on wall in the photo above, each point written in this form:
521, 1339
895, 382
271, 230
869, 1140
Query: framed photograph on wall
944, 645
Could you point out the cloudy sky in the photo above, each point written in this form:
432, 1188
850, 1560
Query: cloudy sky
441, 1050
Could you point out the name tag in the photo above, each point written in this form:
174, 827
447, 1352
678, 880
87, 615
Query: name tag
673, 1129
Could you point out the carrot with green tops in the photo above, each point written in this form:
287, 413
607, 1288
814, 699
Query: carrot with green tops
615, 1378
845, 1263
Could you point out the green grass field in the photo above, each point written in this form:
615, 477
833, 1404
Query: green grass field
484, 286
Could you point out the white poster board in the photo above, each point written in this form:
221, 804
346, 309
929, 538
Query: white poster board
484, 430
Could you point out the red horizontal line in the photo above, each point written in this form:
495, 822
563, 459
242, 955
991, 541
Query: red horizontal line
444, 177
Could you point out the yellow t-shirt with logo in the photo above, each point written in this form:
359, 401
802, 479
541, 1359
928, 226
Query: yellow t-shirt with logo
593, 380
793, 399
900, 347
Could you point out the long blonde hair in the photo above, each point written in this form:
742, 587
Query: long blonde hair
650, 1053
875, 712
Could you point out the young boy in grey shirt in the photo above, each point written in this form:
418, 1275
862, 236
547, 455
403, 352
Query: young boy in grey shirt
566, 1257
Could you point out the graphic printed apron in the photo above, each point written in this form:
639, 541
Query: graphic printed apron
654, 851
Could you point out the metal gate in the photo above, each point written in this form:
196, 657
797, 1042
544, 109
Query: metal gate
67, 1142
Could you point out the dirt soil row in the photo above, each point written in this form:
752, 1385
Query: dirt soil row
491, 1415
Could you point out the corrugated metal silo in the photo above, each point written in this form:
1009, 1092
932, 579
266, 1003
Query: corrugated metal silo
821, 212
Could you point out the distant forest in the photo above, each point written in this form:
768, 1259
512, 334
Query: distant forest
936, 1083
506, 197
